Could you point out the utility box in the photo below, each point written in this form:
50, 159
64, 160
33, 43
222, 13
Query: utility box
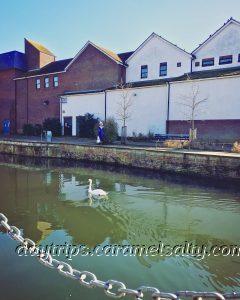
6, 127
49, 136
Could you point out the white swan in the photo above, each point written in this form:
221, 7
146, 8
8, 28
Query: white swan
97, 192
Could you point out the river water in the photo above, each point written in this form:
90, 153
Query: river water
48, 201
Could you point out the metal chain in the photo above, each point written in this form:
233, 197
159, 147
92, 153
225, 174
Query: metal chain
112, 288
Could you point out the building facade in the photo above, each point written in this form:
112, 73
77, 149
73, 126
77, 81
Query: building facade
165, 80
38, 91
160, 78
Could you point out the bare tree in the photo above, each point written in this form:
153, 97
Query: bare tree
124, 108
192, 104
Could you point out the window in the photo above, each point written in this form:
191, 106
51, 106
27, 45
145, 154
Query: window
144, 71
46, 82
179, 64
238, 57
163, 69
38, 84
208, 62
55, 81
223, 60
197, 64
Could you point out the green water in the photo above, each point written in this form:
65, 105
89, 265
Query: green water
48, 201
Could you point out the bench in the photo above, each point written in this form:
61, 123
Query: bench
170, 136
163, 137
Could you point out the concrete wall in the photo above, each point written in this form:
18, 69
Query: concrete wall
222, 99
79, 105
222, 166
148, 108
218, 117
226, 42
153, 52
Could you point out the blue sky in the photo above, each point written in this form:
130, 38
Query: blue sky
64, 26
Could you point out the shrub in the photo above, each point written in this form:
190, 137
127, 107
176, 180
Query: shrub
53, 125
87, 124
110, 131
28, 129
150, 135
176, 144
236, 147
37, 129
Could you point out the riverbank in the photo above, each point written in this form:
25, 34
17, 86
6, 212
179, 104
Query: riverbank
216, 165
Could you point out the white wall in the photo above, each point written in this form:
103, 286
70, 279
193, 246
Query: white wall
149, 109
149, 104
223, 99
156, 51
79, 105
226, 42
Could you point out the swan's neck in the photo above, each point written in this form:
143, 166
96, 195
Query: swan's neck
90, 187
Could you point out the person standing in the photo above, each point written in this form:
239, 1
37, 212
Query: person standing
100, 138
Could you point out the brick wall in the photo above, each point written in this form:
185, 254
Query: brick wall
91, 70
7, 97
32, 56
216, 129
36, 59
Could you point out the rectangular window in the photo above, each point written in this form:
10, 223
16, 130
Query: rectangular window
223, 60
197, 64
38, 84
179, 64
208, 62
238, 57
163, 69
46, 82
55, 81
144, 71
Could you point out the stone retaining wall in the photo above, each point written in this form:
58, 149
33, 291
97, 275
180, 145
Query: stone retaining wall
215, 165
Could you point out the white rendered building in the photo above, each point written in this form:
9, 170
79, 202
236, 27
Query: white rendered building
163, 77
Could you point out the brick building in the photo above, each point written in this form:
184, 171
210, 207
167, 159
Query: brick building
30, 94
12, 64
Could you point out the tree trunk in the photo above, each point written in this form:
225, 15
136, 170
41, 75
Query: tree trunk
124, 135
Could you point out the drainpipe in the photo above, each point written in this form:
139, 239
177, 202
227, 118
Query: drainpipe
27, 101
15, 105
192, 59
168, 107
105, 105
61, 115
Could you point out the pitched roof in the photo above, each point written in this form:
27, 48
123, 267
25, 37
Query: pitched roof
53, 67
107, 52
124, 56
229, 21
160, 37
40, 47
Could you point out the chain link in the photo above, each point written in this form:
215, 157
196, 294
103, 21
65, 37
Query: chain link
112, 288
